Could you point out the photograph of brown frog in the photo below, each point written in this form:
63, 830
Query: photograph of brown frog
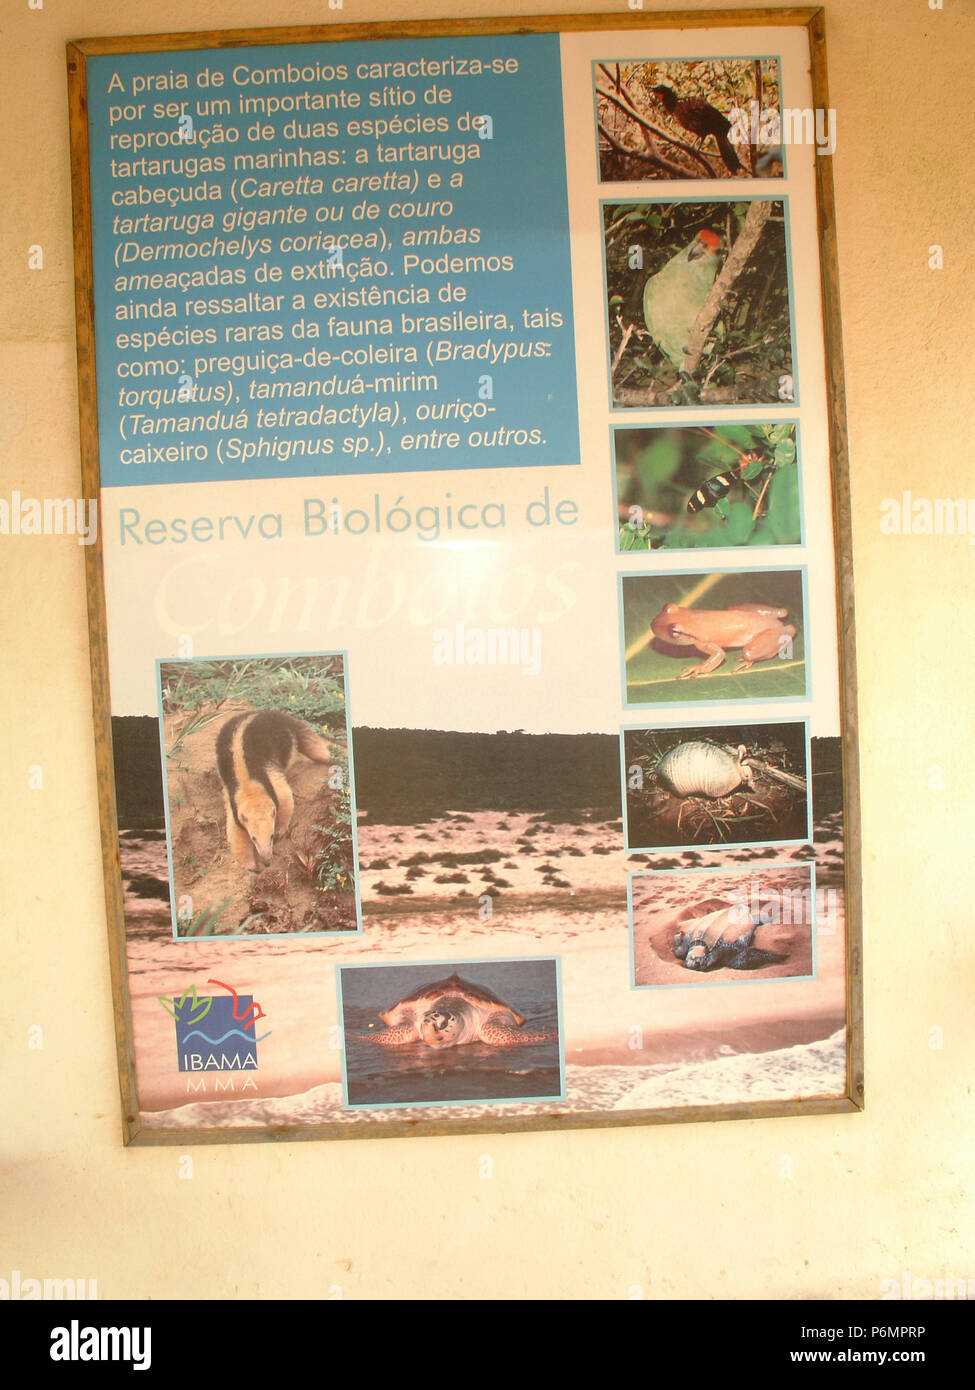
738, 636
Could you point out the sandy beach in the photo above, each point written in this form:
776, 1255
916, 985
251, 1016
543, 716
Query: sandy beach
479, 885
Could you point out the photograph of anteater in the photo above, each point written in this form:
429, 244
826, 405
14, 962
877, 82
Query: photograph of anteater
254, 753
259, 797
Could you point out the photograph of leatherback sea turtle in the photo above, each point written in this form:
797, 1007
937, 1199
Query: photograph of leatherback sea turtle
478, 849
726, 926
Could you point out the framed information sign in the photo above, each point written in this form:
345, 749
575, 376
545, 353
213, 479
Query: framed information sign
471, 609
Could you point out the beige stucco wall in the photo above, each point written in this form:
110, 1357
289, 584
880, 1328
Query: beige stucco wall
689, 1210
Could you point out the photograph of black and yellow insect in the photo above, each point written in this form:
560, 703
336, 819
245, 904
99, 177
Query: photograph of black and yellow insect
713, 119
724, 784
690, 637
259, 796
707, 485
698, 302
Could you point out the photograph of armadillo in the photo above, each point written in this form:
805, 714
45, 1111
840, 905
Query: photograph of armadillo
721, 784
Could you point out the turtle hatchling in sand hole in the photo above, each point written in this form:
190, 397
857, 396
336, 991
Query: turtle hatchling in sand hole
725, 938
449, 1013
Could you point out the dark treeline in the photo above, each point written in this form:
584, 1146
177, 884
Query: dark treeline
403, 775
138, 772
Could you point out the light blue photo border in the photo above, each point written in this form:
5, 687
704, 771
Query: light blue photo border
619, 427
680, 414
702, 981
459, 966
720, 845
269, 936
747, 701
752, 179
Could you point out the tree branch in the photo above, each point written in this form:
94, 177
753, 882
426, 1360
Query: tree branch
753, 149
758, 214
644, 156
650, 130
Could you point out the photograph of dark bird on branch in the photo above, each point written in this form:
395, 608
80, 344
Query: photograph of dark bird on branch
688, 120
699, 303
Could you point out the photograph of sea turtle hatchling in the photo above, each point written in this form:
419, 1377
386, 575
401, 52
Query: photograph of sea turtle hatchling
699, 304
720, 784
453, 1031
692, 638
717, 118
693, 927
259, 798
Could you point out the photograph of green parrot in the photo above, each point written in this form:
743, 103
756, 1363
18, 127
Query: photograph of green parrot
673, 298
698, 303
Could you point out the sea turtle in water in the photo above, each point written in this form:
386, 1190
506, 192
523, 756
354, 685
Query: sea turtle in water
449, 1013
725, 938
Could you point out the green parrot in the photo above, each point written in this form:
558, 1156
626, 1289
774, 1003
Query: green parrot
673, 298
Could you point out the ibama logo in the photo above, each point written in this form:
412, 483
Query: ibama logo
215, 1032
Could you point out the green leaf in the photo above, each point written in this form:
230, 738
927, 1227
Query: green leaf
754, 469
783, 506
776, 433
740, 523
741, 436
659, 461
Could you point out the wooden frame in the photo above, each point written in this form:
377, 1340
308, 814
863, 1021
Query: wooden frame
78, 56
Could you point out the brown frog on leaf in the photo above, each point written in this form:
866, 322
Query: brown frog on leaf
753, 628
